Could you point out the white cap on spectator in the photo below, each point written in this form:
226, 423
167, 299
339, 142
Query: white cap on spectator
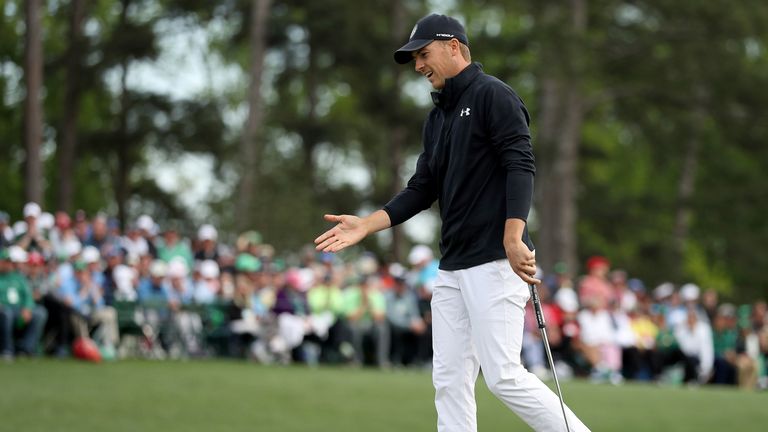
145, 222
32, 209
125, 279
207, 232
689, 292
45, 221
91, 254
663, 291
209, 269
419, 254
397, 270
367, 265
307, 279
177, 268
158, 268
72, 248
19, 228
567, 299
17, 254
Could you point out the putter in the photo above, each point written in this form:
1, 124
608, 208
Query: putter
543, 328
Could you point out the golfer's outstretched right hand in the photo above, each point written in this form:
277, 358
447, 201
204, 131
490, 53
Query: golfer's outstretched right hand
348, 231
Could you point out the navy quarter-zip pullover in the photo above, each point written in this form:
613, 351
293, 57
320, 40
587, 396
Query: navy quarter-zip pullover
477, 163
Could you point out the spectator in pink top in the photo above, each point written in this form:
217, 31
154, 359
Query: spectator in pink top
595, 285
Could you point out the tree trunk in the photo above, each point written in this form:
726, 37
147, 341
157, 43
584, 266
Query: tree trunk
68, 145
123, 165
686, 187
251, 143
33, 108
559, 138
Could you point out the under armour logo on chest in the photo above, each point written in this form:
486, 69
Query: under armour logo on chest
464, 112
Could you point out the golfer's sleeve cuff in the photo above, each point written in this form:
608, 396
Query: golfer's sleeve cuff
519, 194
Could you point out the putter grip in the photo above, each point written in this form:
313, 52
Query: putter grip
537, 307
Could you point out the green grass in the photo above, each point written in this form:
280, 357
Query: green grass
47, 395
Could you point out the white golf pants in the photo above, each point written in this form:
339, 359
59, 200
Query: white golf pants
477, 322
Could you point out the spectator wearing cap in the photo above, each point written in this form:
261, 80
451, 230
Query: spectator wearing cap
567, 301
148, 231
91, 313
695, 339
595, 285
173, 246
599, 342
154, 288
18, 312
92, 259
153, 295
135, 245
206, 247
409, 332
33, 238
207, 289
731, 365
6, 232
187, 323
667, 352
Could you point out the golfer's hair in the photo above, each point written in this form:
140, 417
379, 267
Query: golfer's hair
463, 49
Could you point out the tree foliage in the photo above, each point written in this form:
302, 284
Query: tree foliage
669, 147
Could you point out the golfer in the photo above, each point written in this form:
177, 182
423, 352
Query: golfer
478, 164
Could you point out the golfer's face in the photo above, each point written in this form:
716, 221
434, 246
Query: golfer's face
434, 62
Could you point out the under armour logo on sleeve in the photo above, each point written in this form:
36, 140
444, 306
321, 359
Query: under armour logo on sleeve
464, 112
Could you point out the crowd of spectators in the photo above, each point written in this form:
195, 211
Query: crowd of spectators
149, 291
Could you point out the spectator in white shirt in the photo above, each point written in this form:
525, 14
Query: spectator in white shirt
695, 339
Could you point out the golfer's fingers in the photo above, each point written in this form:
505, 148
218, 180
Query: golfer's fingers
529, 279
324, 236
327, 242
339, 245
332, 218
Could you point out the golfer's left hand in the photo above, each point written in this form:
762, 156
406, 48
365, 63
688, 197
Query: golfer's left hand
523, 261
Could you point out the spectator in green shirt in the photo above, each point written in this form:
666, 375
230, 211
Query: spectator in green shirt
732, 365
365, 309
327, 300
172, 246
18, 312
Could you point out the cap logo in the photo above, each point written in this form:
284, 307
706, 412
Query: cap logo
444, 35
413, 32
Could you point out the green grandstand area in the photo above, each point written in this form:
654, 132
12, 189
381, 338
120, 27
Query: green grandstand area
168, 396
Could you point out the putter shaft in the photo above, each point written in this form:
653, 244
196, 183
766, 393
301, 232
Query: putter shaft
543, 328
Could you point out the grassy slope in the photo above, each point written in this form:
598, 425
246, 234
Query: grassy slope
231, 396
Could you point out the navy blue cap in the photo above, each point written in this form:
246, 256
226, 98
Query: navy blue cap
430, 28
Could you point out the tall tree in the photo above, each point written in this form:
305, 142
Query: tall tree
33, 72
561, 117
251, 142
67, 146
